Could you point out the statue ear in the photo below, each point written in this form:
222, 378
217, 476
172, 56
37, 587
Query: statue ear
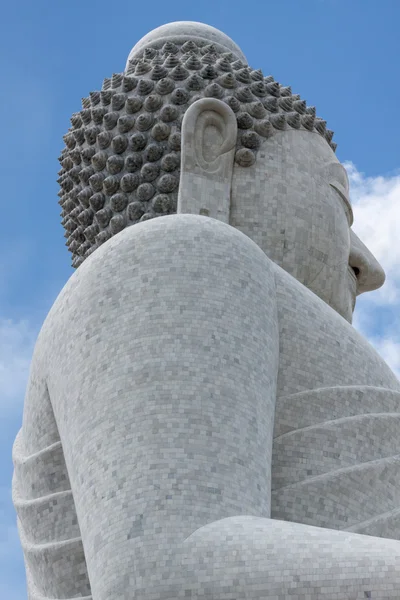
208, 142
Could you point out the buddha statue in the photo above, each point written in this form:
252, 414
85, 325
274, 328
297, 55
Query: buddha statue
201, 418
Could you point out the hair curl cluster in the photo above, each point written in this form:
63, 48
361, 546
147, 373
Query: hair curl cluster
121, 161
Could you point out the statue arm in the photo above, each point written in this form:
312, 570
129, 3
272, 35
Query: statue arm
47, 521
163, 353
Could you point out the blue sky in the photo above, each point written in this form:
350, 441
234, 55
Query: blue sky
340, 55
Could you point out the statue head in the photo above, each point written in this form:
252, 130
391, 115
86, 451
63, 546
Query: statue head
189, 122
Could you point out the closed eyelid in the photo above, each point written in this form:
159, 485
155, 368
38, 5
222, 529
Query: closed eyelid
344, 180
343, 193
339, 174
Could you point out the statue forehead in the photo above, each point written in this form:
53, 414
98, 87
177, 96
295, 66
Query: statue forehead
300, 149
294, 158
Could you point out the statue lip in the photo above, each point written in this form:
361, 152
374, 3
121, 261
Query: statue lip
352, 273
353, 283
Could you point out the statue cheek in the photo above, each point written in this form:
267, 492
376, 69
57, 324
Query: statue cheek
344, 233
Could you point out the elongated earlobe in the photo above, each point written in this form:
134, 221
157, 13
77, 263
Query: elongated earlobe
209, 132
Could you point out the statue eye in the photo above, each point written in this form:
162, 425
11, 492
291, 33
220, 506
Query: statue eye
336, 176
343, 194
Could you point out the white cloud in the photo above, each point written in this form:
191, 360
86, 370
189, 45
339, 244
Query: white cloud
376, 204
16, 345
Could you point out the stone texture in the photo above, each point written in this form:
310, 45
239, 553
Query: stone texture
201, 419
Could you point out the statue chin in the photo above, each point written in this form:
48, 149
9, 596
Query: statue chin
201, 420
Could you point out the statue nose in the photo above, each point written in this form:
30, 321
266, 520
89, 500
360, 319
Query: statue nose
370, 274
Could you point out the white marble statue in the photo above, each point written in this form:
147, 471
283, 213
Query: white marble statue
202, 420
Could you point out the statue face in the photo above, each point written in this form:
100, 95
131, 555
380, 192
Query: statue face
294, 203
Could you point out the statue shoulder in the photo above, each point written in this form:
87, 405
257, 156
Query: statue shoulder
157, 243
195, 234
162, 261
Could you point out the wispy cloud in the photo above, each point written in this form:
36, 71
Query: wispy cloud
376, 202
